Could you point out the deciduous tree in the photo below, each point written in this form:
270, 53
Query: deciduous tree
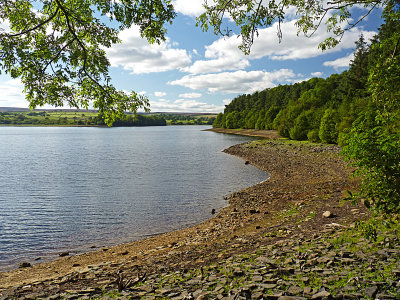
57, 49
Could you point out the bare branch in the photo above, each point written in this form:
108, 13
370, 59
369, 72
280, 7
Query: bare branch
362, 18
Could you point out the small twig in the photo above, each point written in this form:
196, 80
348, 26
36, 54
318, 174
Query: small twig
123, 285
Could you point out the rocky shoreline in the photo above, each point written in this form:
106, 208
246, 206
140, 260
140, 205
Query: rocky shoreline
286, 238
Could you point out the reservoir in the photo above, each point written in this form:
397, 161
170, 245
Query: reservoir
67, 188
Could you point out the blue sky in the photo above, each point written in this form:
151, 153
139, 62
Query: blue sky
194, 71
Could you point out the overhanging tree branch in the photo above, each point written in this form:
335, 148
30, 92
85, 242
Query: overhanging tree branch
34, 28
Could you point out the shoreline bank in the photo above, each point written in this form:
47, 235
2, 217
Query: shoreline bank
306, 180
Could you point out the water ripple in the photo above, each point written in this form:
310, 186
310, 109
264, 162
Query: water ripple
69, 188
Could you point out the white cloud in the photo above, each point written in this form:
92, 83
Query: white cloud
160, 94
138, 56
292, 46
183, 105
11, 94
236, 82
224, 55
190, 95
316, 74
226, 101
192, 8
217, 65
342, 62
142, 93
4, 25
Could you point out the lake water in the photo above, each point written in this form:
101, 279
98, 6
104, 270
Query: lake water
64, 188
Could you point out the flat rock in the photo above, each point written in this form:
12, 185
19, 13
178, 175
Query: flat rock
321, 295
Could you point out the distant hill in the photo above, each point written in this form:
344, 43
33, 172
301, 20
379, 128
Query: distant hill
21, 109
3, 109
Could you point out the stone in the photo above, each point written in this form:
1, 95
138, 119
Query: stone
257, 278
63, 254
371, 291
327, 214
257, 295
304, 279
294, 290
307, 290
25, 265
269, 286
164, 291
321, 295
382, 254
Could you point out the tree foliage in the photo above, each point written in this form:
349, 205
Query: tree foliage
374, 141
252, 15
359, 109
327, 130
57, 49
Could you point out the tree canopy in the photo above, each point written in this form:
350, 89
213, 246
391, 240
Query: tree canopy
252, 15
57, 49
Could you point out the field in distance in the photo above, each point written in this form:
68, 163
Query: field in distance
73, 117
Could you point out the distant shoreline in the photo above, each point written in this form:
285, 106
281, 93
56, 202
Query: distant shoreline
265, 134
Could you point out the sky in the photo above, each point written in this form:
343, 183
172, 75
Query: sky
196, 71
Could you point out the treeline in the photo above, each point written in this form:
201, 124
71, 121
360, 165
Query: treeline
140, 120
188, 119
44, 118
317, 109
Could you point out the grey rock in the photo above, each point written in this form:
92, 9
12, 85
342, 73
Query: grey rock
321, 295
257, 295
371, 291
25, 265
257, 278
382, 254
294, 290
268, 286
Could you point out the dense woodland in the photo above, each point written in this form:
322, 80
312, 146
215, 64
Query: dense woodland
317, 109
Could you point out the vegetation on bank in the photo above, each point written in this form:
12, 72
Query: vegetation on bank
358, 109
93, 118
75, 118
189, 119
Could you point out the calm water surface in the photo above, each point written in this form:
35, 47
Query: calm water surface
69, 188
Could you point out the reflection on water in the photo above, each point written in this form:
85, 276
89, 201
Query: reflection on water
69, 188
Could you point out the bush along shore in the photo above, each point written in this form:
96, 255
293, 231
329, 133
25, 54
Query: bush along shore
290, 237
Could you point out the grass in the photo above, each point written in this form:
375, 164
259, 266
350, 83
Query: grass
43, 118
